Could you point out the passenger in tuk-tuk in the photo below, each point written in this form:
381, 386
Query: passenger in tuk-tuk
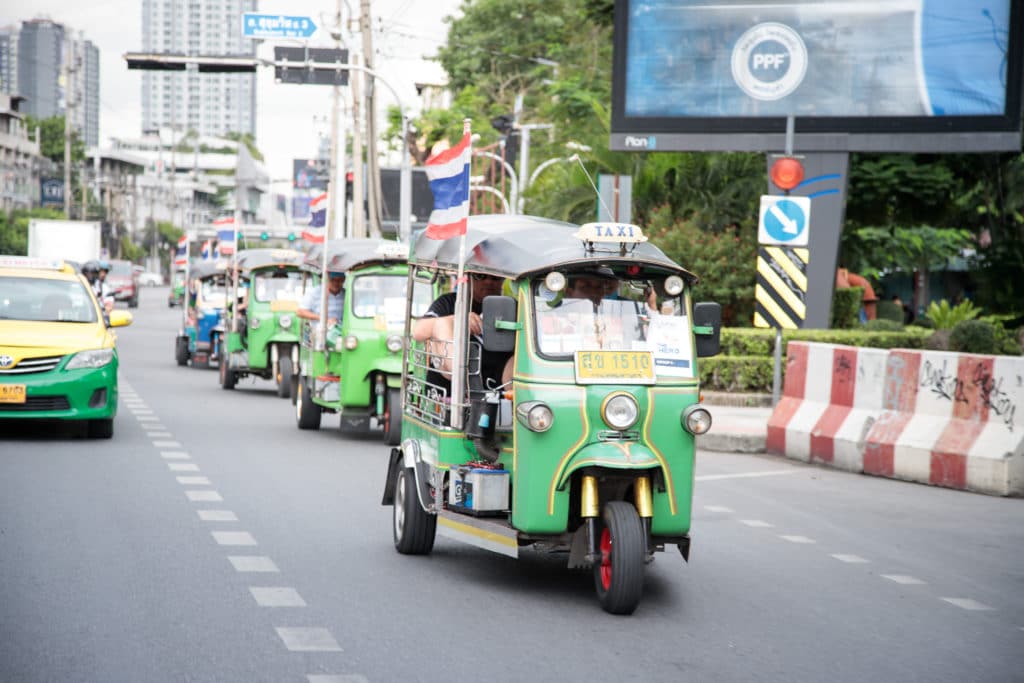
309, 309
437, 328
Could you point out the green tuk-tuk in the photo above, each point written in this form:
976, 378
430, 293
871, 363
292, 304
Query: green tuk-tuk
176, 295
200, 338
355, 368
589, 448
263, 334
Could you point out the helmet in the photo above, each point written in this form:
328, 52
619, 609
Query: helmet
91, 267
336, 273
104, 264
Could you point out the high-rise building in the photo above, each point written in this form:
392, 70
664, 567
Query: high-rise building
9, 59
208, 103
42, 49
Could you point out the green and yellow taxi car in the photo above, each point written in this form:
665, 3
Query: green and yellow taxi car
58, 359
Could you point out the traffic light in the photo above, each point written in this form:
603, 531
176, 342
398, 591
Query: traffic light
264, 235
348, 185
291, 237
786, 173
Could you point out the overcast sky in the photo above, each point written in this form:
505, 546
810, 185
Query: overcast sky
286, 128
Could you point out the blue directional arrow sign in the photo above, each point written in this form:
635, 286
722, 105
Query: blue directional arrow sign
784, 220
276, 26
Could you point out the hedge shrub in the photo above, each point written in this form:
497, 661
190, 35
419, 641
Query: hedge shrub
973, 336
752, 341
846, 307
750, 374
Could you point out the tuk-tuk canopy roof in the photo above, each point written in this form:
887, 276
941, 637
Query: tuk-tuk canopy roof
204, 269
253, 259
515, 246
344, 255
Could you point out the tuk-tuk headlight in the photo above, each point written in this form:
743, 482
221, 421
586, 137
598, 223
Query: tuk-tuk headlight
394, 343
673, 285
620, 411
696, 419
285, 321
555, 281
535, 416
351, 342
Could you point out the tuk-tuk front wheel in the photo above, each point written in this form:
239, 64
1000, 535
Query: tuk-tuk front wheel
414, 527
393, 418
284, 376
181, 350
228, 377
307, 413
619, 570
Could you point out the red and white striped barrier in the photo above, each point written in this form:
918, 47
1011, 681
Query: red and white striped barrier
940, 418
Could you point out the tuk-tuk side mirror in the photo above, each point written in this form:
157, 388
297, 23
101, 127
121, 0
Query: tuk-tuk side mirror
500, 324
707, 328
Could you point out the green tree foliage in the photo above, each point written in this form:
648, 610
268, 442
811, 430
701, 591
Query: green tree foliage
14, 228
246, 139
946, 317
51, 139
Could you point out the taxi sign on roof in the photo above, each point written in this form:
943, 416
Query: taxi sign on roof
27, 262
393, 250
617, 233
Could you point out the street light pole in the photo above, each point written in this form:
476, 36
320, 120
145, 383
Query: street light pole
513, 202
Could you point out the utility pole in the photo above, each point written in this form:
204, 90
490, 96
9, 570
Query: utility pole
69, 89
336, 208
358, 217
372, 167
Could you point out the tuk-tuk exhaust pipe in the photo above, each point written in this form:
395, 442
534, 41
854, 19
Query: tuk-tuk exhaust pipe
590, 510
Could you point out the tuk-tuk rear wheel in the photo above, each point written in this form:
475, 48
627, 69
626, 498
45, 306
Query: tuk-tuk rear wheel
307, 413
284, 376
619, 571
393, 418
181, 350
414, 528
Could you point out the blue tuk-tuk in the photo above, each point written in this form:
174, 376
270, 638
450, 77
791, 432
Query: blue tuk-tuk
201, 335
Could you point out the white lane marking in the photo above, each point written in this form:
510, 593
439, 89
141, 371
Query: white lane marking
203, 496
183, 467
308, 639
276, 596
217, 515
851, 559
174, 455
717, 508
968, 604
233, 537
745, 475
194, 481
153, 426
253, 563
337, 678
140, 410
903, 579
147, 418
166, 444
159, 435
797, 539
756, 523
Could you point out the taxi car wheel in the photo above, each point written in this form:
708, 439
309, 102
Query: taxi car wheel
414, 528
393, 418
307, 413
619, 570
101, 429
284, 377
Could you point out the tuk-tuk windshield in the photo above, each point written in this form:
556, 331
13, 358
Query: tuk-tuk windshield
384, 295
278, 286
213, 292
593, 314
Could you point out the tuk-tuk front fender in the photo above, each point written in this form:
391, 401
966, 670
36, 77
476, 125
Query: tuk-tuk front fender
617, 455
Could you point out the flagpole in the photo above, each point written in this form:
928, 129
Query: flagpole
462, 305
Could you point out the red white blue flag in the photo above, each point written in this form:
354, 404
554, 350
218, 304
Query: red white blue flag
226, 235
181, 255
448, 173
206, 250
317, 228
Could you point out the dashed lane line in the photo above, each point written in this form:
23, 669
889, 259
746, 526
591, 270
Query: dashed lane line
166, 444
183, 467
797, 539
194, 481
217, 515
175, 455
717, 508
851, 559
253, 563
968, 604
233, 538
904, 580
756, 523
308, 639
204, 496
276, 596
747, 475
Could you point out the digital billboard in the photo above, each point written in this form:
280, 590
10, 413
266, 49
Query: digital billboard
870, 75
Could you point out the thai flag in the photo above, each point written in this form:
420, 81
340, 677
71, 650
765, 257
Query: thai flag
181, 255
205, 251
317, 228
448, 173
225, 235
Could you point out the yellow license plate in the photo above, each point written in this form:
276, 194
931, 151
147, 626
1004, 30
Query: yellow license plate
614, 367
283, 305
12, 393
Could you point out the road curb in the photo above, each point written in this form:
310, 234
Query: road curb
731, 442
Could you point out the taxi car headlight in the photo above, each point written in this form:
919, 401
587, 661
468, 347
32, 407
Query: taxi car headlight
620, 411
696, 419
93, 358
393, 343
535, 415
351, 342
285, 321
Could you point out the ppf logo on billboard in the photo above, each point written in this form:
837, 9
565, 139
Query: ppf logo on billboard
769, 61
638, 142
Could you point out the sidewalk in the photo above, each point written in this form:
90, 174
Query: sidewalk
739, 422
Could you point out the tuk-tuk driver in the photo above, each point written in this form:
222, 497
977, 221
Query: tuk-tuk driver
310, 307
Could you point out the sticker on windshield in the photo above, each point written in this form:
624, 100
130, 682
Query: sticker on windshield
669, 341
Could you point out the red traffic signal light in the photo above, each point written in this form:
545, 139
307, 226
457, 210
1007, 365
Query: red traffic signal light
786, 173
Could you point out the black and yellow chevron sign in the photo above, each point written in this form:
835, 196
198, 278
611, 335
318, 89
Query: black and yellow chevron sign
781, 293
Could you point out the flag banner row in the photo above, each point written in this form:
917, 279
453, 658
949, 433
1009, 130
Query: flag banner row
448, 173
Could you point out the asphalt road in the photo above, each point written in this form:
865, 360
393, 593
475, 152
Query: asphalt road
211, 540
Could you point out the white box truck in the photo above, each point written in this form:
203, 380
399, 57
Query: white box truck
77, 241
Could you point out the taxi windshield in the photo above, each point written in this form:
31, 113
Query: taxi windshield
383, 296
610, 314
45, 300
278, 285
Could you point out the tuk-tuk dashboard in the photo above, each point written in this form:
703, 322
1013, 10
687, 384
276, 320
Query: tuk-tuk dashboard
383, 295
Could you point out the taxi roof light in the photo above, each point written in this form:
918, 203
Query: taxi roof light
616, 233
31, 262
